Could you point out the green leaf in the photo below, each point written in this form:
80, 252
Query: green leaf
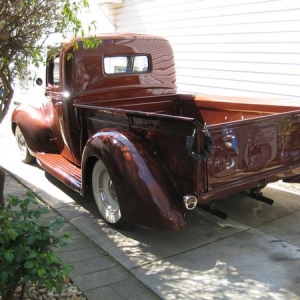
3, 276
39, 236
18, 257
11, 273
32, 197
31, 255
9, 256
41, 272
28, 265
44, 210
30, 246
31, 240
58, 288
37, 214
41, 281
53, 273
69, 268
14, 201
52, 232
12, 233
53, 258
25, 203
49, 286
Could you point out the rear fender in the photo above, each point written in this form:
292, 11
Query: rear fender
146, 192
35, 128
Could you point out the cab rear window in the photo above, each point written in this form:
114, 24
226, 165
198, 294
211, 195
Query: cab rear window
126, 64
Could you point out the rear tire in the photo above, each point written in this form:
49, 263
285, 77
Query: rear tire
106, 197
26, 157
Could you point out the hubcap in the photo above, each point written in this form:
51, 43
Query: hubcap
22, 145
107, 193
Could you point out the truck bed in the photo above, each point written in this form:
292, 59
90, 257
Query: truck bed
254, 141
212, 110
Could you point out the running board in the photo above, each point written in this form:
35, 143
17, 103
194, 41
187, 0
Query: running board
61, 168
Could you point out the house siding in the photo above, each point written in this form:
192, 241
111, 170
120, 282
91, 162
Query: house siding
229, 47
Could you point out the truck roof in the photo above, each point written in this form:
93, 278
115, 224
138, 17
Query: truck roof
123, 36
86, 72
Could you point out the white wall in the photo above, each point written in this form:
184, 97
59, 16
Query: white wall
229, 47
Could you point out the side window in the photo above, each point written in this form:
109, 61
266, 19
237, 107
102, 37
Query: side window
53, 75
56, 79
126, 64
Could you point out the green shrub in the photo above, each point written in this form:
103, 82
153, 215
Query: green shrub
26, 247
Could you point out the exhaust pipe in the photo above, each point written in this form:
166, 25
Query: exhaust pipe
190, 202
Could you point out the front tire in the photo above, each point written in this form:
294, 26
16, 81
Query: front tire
26, 157
106, 197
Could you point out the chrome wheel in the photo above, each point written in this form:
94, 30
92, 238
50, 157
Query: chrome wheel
26, 157
105, 195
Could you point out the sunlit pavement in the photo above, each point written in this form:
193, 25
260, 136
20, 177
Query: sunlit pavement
253, 254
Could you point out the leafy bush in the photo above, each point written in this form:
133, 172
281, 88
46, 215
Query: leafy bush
26, 247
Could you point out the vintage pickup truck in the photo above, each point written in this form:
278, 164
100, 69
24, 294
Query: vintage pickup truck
112, 122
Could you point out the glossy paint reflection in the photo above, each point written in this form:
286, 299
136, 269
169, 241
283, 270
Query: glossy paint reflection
145, 189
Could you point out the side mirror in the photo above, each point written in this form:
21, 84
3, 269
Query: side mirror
39, 81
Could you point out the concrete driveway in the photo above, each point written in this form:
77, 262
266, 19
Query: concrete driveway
253, 254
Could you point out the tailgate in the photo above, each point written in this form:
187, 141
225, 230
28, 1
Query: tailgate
254, 150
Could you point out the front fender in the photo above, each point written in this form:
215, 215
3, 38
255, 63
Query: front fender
35, 128
146, 192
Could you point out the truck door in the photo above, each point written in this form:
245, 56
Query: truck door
59, 110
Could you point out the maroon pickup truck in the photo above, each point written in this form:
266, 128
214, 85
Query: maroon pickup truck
113, 122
